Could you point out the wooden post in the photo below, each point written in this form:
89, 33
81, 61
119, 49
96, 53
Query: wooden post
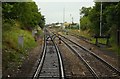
108, 37
107, 42
59, 40
118, 37
96, 41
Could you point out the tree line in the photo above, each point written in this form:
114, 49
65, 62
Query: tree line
27, 13
90, 19
110, 17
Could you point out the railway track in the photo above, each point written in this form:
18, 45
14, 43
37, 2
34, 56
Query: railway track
98, 67
50, 64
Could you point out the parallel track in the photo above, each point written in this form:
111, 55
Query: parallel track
99, 59
50, 64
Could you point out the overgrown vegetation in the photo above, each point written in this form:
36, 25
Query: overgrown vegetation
12, 52
113, 46
18, 19
24, 12
90, 20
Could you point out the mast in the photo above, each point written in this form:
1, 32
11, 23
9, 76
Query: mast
101, 20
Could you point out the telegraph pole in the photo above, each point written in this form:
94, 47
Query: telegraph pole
72, 20
79, 22
63, 27
63, 15
101, 20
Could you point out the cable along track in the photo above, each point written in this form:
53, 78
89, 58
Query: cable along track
50, 65
98, 67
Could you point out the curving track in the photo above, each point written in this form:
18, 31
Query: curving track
50, 64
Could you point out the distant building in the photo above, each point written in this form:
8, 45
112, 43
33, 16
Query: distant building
69, 25
58, 25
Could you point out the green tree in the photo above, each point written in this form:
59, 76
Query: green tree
24, 12
85, 23
42, 22
85, 11
109, 16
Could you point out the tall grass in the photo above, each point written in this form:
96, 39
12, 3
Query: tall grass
114, 47
12, 53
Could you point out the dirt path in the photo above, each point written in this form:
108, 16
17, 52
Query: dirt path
29, 62
26, 69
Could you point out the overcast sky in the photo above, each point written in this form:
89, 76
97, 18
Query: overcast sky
54, 11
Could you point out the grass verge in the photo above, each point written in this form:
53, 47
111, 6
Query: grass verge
12, 53
86, 34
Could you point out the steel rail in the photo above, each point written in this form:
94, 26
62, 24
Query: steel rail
40, 64
87, 65
61, 66
92, 53
60, 62
36, 74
